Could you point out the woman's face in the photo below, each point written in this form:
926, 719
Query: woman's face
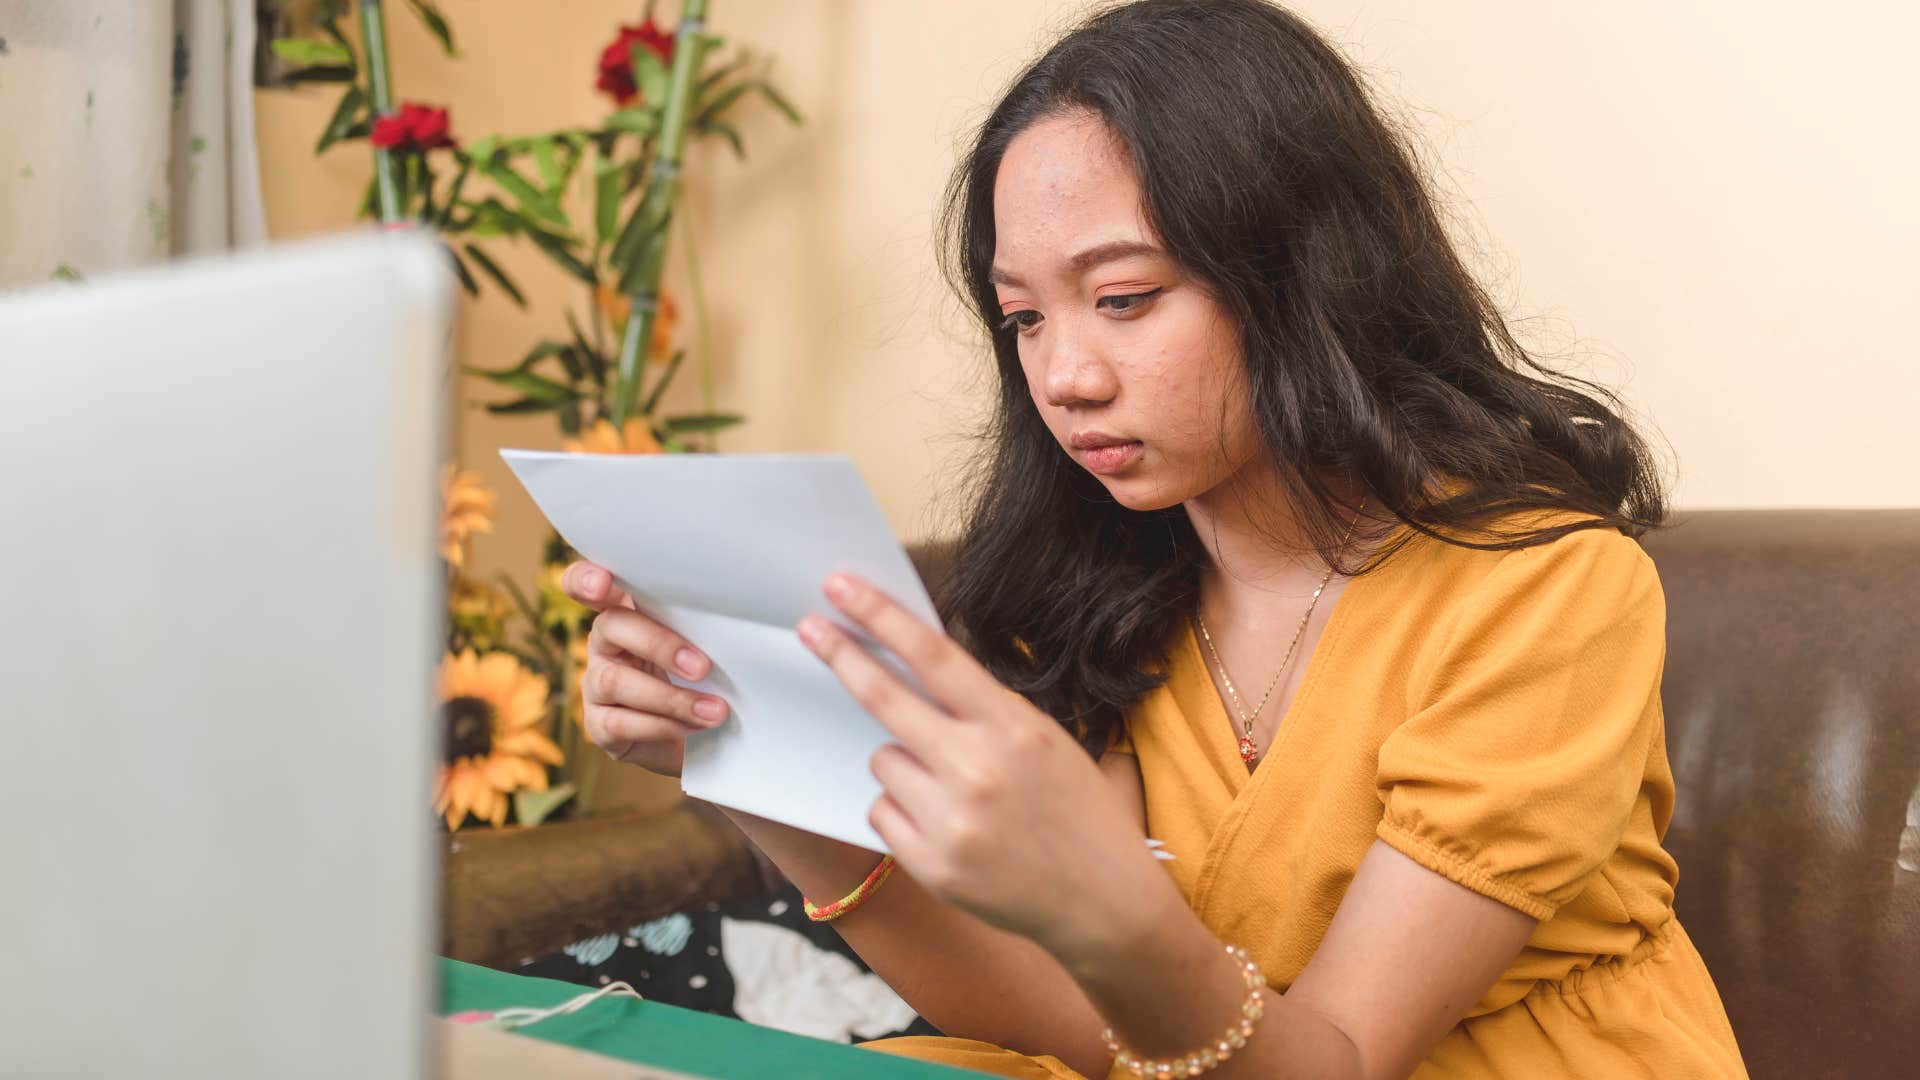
1134, 367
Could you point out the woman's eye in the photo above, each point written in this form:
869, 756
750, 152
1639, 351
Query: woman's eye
1127, 303
1023, 320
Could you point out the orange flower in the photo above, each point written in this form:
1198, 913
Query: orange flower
666, 320
493, 709
466, 508
635, 438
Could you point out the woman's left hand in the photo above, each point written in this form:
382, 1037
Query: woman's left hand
987, 802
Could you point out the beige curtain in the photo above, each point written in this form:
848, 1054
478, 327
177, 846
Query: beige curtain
126, 134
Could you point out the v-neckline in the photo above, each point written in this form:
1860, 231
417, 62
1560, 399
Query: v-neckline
1242, 778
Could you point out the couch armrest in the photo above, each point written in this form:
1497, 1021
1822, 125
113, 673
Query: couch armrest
515, 893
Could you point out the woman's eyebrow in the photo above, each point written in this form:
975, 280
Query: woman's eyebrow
1084, 260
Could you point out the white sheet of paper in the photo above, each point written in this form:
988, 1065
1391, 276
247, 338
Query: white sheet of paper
730, 550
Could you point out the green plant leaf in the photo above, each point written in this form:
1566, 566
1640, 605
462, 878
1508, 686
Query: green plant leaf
718, 75
436, 24
544, 348
777, 100
523, 406
660, 388
547, 160
728, 132
453, 191
465, 275
640, 227
326, 73
649, 75
560, 250
570, 360
533, 807
345, 116
310, 51
499, 276
596, 364
369, 198
570, 418
607, 191
481, 150
532, 199
532, 387
678, 425
722, 101
638, 119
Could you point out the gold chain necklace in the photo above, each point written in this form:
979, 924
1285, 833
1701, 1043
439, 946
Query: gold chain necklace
1249, 750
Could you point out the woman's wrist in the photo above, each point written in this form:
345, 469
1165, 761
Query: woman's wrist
1134, 958
1136, 921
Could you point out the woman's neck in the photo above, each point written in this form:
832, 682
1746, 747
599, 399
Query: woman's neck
1261, 566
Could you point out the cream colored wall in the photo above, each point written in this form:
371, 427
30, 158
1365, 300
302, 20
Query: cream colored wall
1713, 206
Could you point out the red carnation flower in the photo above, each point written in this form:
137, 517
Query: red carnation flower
414, 127
616, 60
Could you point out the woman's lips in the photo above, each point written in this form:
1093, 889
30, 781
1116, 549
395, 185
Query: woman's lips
1104, 460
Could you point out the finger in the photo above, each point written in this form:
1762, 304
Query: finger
898, 830
615, 729
908, 781
651, 742
623, 630
592, 586
954, 679
918, 725
615, 682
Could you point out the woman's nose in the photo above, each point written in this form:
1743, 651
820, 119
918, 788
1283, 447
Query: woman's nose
1078, 374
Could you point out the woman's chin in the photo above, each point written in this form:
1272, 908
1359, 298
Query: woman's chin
1139, 493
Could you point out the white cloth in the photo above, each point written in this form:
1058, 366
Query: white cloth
126, 133
782, 980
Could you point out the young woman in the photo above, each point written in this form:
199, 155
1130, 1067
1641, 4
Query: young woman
1286, 556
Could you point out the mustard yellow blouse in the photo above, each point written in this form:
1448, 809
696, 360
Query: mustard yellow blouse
1496, 717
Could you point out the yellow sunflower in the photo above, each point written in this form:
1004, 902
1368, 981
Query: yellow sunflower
615, 305
601, 438
466, 508
493, 708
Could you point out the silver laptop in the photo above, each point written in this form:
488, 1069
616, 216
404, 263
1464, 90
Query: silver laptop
218, 623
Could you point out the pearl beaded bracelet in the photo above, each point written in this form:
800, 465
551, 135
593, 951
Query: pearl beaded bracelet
1210, 1056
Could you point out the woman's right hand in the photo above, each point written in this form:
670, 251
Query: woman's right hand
631, 711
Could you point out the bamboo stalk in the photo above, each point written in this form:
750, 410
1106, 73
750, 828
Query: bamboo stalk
662, 187
373, 34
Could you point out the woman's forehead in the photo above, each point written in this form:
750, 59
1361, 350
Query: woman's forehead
1066, 185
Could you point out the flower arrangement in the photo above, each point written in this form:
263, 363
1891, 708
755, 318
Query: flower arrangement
598, 202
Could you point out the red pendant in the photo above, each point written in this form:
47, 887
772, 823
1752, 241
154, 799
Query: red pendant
1248, 751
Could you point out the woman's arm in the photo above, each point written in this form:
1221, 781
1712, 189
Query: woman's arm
1408, 953
994, 810
965, 977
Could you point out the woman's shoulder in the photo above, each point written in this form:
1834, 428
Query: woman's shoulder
1590, 574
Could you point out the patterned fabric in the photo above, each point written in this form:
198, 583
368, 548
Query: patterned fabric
758, 959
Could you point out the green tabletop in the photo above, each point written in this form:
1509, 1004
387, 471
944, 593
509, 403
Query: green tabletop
675, 1039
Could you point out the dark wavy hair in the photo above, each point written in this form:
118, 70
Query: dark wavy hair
1375, 361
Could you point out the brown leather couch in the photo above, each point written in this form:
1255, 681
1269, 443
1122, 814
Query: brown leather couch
1792, 694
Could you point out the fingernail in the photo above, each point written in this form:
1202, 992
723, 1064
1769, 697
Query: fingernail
688, 661
811, 628
839, 588
592, 582
712, 710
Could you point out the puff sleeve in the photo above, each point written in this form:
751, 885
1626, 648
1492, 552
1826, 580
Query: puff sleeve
1531, 716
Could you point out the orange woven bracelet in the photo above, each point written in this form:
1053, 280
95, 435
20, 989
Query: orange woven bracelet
853, 899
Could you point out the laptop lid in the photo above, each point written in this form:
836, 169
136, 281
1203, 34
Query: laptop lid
219, 614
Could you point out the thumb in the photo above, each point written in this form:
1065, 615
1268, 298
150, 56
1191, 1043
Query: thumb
592, 585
